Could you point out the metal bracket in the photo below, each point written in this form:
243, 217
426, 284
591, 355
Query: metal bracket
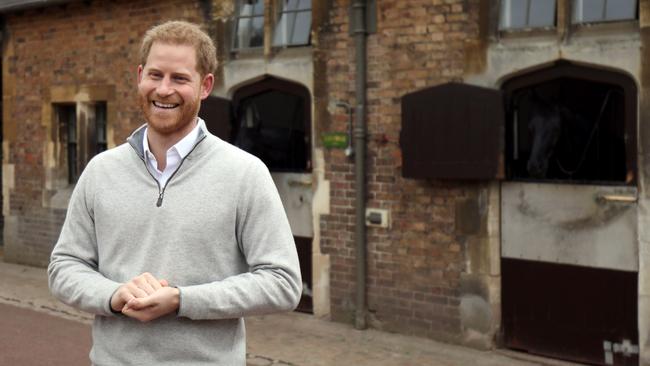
626, 348
602, 198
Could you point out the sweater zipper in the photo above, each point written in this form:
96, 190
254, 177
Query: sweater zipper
161, 191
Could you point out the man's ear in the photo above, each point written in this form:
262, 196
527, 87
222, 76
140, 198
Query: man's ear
140, 68
206, 85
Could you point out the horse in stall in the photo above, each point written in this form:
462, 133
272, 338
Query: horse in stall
561, 140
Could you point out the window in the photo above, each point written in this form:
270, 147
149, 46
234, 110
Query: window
249, 24
294, 25
520, 14
589, 11
82, 133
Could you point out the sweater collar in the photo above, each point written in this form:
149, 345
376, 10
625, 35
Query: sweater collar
136, 138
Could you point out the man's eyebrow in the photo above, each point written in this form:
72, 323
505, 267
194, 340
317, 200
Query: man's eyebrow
180, 73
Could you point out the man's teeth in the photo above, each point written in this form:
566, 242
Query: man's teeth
164, 105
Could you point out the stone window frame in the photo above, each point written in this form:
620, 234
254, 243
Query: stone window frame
564, 28
58, 188
273, 10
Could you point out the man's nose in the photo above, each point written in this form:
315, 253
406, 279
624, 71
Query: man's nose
164, 87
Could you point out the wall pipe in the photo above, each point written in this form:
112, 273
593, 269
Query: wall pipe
359, 32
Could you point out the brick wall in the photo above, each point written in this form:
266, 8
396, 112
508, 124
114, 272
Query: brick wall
72, 45
415, 267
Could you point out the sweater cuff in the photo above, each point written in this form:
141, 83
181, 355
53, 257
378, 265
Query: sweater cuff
180, 300
110, 290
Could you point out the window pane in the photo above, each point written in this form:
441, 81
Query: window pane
251, 7
249, 26
513, 14
304, 4
290, 5
243, 32
302, 28
585, 11
246, 10
541, 13
257, 36
621, 9
527, 14
281, 30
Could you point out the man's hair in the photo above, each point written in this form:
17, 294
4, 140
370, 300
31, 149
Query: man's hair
182, 33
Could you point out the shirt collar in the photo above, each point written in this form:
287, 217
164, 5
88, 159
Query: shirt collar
182, 147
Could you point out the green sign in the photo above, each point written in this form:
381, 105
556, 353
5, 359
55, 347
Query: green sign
335, 140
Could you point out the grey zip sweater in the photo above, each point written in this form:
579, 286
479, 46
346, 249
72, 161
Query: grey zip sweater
220, 235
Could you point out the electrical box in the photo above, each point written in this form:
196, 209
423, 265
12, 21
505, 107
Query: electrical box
377, 217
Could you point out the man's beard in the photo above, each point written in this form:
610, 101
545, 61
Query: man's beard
168, 124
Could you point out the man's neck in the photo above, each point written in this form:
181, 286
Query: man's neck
160, 143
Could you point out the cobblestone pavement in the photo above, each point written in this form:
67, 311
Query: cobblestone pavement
291, 339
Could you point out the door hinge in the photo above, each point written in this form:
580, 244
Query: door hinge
626, 348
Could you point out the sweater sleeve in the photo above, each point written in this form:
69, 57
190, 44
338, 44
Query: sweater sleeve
73, 270
273, 282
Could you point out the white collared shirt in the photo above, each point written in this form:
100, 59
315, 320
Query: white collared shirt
175, 154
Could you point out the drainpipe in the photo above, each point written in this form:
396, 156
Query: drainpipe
359, 23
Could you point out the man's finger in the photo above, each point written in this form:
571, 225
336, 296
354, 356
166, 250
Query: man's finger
142, 283
142, 303
151, 281
164, 283
136, 291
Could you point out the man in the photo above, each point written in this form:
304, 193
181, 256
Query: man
170, 239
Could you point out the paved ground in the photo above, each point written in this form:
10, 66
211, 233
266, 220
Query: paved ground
34, 325
35, 338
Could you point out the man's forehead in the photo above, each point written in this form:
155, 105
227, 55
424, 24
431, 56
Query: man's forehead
172, 52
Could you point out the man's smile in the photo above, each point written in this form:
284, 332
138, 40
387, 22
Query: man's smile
164, 105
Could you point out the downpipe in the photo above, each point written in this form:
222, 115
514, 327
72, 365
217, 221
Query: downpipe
359, 14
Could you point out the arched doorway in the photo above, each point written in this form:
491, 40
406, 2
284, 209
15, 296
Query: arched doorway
271, 119
569, 215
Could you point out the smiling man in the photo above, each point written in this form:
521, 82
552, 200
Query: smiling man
173, 237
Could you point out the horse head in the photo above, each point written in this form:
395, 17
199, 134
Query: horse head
545, 126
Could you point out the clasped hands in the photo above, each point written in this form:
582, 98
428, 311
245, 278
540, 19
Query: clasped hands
145, 298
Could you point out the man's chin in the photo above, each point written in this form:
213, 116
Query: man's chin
166, 127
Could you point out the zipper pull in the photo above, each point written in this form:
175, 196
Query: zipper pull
160, 198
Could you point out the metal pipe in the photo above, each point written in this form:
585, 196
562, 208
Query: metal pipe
359, 14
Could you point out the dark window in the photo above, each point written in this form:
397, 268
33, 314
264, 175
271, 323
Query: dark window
81, 139
591, 11
100, 126
294, 25
568, 124
249, 24
521, 14
273, 123
67, 117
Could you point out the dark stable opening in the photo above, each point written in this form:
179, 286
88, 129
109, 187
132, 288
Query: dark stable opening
271, 126
568, 130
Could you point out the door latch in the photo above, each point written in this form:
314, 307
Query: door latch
626, 348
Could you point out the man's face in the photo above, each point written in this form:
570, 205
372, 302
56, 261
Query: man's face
170, 88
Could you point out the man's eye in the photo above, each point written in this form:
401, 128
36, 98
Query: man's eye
180, 78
